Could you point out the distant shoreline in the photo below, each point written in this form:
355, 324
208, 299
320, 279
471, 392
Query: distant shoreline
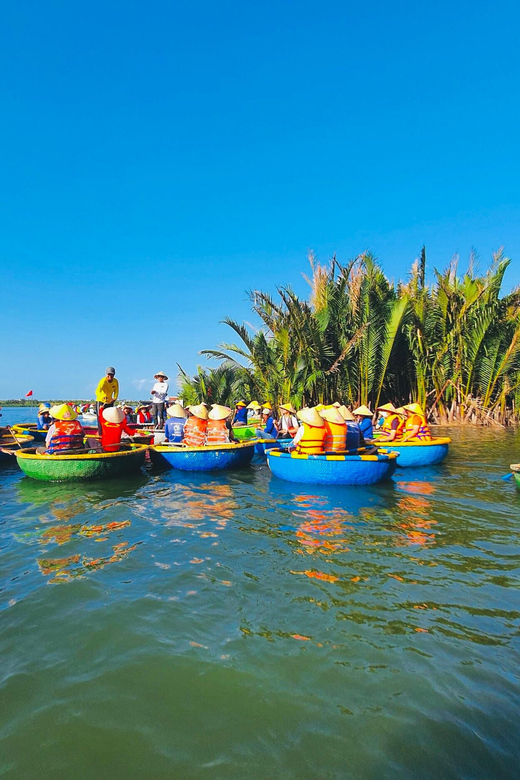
31, 402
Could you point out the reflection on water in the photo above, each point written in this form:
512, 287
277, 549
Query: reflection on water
233, 625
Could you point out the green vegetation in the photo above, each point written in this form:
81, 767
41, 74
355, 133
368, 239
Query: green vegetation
453, 346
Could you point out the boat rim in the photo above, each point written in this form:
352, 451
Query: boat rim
330, 456
205, 447
418, 443
83, 456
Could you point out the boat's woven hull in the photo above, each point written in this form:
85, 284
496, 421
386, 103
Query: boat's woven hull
331, 469
427, 453
63, 468
211, 458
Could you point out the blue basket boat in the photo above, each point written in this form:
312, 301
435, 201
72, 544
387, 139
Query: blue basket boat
207, 458
419, 453
30, 429
332, 468
263, 445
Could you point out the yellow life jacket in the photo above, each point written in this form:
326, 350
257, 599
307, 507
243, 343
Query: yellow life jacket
335, 437
423, 433
311, 442
387, 424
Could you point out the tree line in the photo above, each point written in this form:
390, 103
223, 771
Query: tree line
452, 345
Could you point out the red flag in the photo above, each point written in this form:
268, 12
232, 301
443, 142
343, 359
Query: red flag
28, 394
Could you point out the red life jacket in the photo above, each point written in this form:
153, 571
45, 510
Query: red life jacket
68, 435
217, 432
144, 416
111, 434
311, 443
336, 437
195, 432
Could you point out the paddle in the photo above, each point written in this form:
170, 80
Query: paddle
13, 435
507, 476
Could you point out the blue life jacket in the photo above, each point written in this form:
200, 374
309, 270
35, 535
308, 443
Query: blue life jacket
353, 435
174, 429
270, 428
241, 415
44, 423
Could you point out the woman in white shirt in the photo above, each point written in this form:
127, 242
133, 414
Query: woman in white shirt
160, 394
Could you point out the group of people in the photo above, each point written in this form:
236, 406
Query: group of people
107, 393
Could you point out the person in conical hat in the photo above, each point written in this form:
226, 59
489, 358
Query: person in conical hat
160, 392
175, 422
44, 417
267, 405
269, 429
336, 430
415, 425
392, 422
346, 413
195, 427
113, 424
65, 434
310, 437
219, 430
364, 419
288, 422
254, 405
240, 417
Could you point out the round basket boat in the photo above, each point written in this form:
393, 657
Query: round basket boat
419, 453
515, 468
263, 445
98, 465
29, 429
332, 469
207, 458
9, 443
245, 431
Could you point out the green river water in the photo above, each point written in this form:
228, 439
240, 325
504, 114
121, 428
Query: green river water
169, 626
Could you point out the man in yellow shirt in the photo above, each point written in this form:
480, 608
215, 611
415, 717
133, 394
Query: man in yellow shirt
107, 392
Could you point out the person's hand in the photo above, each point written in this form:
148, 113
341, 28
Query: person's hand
152, 392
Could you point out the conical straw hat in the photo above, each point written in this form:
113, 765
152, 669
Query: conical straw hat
253, 405
241, 403
346, 413
386, 408
63, 412
414, 408
160, 373
333, 416
336, 404
311, 417
199, 411
319, 407
267, 405
363, 411
43, 408
175, 410
113, 415
288, 408
219, 412
401, 411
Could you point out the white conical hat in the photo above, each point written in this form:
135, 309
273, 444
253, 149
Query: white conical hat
347, 414
363, 411
219, 412
199, 411
311, 417
176, 410
333, 415
113, 415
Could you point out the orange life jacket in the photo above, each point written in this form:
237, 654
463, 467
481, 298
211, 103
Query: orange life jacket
68, 435
335, 436
217, 432
387, 424
195, 432
312, 440
423, 433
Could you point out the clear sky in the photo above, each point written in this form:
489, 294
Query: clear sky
159, 159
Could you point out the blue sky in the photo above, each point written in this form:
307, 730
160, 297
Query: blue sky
160, 159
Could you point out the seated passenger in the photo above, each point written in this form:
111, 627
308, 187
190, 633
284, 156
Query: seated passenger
65, 434
270, 429
129, 414
253, 411
195, 426
355, 438
144, 413
335, 430
240, 417
288, 423
391, 426
364, 417
44, 418
310, 437
175, 422
219, 429
416, 426
113, 423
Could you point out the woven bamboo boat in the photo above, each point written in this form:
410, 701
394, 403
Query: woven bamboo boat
263, 445
419, 453
207, 458
98, 465
29, 429
515, 468
12, 445
245, 431
332, 469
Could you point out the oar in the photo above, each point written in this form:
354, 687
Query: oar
14, 436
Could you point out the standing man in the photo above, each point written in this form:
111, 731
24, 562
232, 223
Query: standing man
160, 396
107, 392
